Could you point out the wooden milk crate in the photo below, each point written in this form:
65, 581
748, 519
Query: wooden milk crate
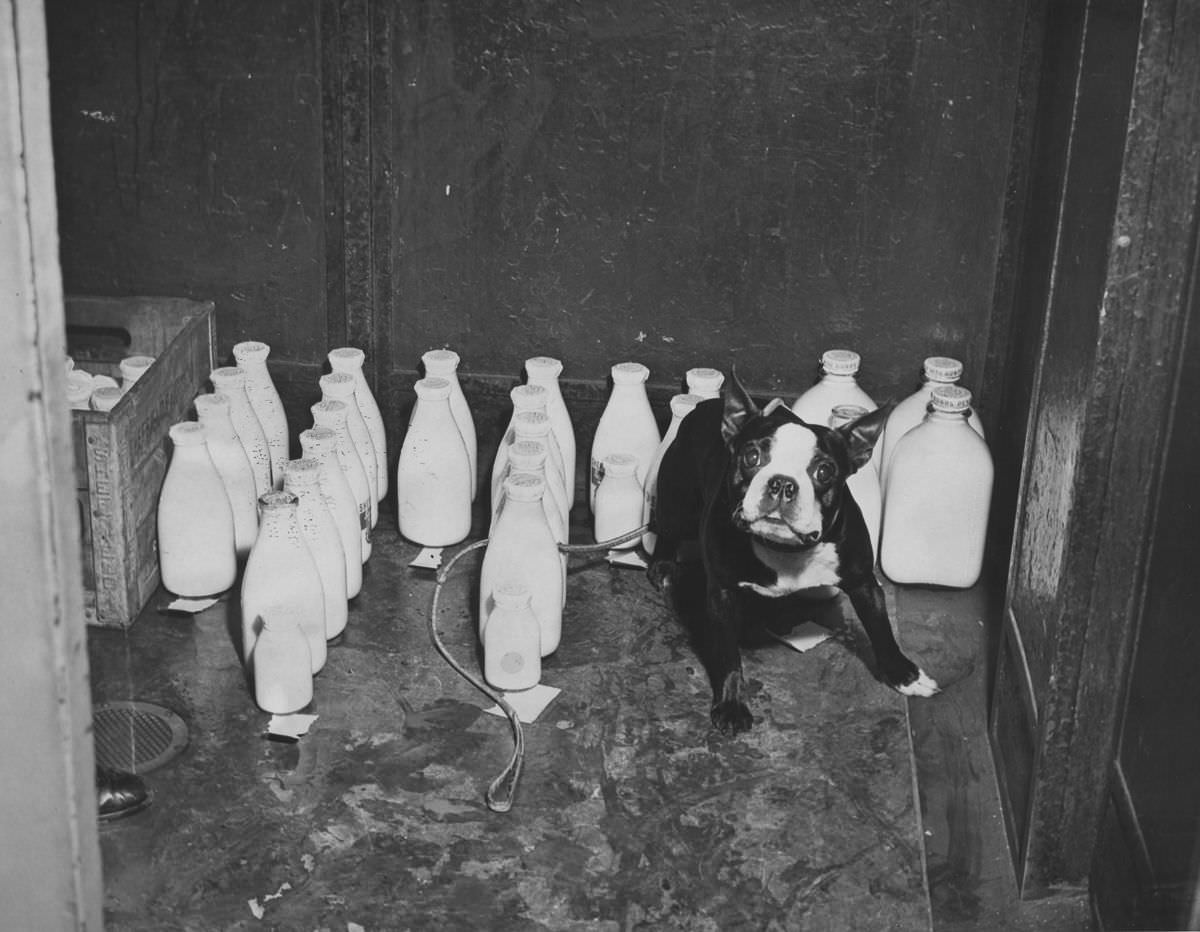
121, 456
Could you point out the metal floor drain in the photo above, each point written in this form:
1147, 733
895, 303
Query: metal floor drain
136, 736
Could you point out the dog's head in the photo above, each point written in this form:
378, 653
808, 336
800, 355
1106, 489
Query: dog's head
786, 477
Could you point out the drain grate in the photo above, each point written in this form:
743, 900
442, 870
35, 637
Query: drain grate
136, 736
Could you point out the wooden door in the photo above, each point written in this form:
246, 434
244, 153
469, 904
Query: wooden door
1114, 105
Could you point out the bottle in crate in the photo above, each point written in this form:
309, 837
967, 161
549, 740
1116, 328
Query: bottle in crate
937, 496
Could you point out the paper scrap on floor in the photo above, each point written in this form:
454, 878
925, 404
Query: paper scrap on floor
528, 703
430, 558
803, 638
290, 726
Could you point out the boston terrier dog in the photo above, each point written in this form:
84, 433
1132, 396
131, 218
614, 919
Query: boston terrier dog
764, 495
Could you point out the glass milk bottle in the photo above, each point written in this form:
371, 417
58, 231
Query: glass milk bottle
230, 381
79, 389
133, 368
320, 444
619, 499
936, 500
302, 478
937, 370
332, 414
522, 549
524, 398
105, 398
705, 382
350, 360
233, 466
838, 385
443, 364
251, 356
283, 680
627, 424
545, 371
535, 426
282, 581
512, 656
433, 473
681, 406
863, 484
196, 552
339, 386
528, 457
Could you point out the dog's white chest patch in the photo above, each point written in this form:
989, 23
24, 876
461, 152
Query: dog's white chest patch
797, 570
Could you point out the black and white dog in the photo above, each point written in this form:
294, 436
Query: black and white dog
764, 495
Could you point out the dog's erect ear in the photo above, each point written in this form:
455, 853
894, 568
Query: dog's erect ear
861, 435
739, 407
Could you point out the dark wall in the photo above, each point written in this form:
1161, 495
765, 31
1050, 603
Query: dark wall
684, 183
701, 182
189, 161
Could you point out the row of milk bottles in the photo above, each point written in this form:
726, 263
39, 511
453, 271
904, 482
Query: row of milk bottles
926, 491
303, 526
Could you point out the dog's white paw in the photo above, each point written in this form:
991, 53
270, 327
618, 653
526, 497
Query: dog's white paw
923, 686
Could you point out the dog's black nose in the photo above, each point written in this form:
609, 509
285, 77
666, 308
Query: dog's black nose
810, 537
782, 488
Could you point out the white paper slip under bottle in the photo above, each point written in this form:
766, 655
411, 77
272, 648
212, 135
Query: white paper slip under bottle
332, 414
350, 359
230, 381
233, 466
282, 580
512, 658
320, 444
433, 473
705, 382
522, 549
937, 370
283, 679
681, 406
302, 478
339, 386
196, 550
545, 371
936, 502
619, 500
863, 484
627, 424
443, 364
251, 356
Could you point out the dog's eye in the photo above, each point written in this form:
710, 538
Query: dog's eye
824, 473
750, 457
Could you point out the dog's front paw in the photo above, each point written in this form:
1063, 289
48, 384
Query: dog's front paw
921, 685
661, 574
731, 716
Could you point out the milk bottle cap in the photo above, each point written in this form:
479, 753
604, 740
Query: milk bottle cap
187, 433
345, 358
440, 362
844, 414
528, 397
337, 384
543, 367
531, 424
629, 373
704, 379
511, 593
524, 487
620, 464
943, 369
840, 361
432, 388
273, 501
527, 454
683, 404
953, 399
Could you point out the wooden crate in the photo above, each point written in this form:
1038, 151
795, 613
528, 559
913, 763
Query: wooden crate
121, 456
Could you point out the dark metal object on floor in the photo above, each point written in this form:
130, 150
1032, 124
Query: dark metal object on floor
136, 736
